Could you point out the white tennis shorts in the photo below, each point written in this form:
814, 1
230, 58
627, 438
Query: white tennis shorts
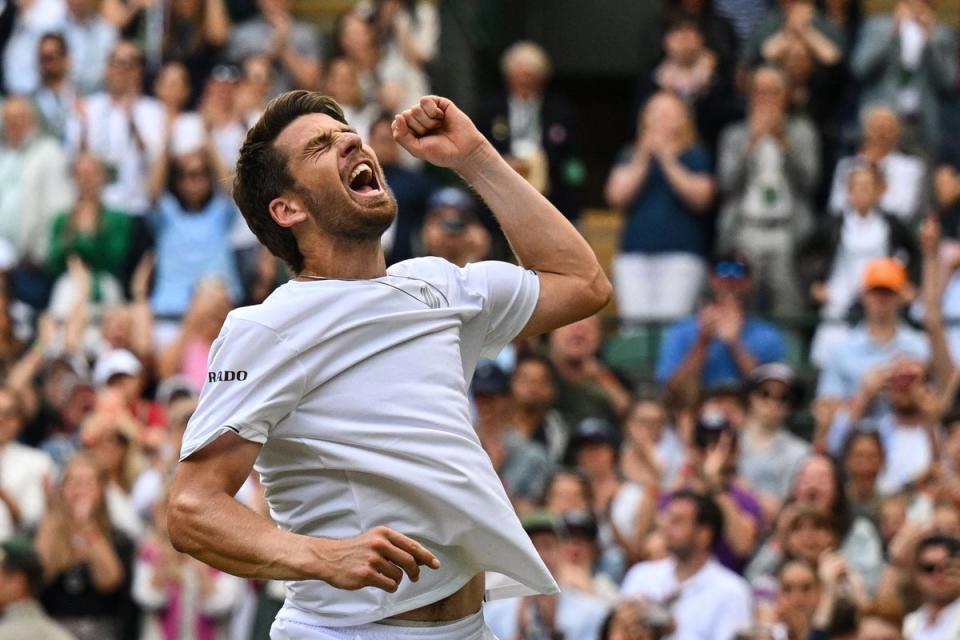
469, 628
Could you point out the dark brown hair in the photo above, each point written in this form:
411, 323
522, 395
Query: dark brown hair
262, 172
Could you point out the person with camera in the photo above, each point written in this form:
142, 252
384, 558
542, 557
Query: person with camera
711, 469
705, 599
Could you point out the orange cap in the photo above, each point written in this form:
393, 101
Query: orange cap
885, 273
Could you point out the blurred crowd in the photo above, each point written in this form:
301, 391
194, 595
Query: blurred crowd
788, 467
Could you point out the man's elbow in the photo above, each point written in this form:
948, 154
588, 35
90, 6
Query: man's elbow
183, 509
599, 292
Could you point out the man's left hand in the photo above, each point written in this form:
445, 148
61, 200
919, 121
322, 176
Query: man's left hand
437, 131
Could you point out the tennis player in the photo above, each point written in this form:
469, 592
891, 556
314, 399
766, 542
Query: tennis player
347, 389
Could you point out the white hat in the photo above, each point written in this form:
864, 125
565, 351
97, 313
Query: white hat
116, 362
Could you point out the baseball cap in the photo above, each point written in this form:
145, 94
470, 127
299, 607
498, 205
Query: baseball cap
731, 265
173, 388
18, 554
594, 431
114, 363
539, 521
885, 273
580, 524
453, 197
490, 380
776, 371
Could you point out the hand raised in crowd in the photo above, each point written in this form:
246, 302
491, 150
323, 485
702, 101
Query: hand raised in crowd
929, 236
730, 321
716, 461
799, 16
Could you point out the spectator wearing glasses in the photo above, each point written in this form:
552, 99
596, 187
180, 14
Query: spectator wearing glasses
56, 99
938, 581
124, 128
722, 341
769, 453
705, 599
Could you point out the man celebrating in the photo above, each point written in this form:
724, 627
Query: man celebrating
350, 392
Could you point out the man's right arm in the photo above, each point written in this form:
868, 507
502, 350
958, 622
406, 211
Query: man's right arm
208, 523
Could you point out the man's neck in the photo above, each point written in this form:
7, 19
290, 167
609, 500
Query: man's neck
882, 331
861, 489
570, 369
348, 260
689, 567
760, 431
528, 419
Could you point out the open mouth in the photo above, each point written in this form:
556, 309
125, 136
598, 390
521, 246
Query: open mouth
363, 181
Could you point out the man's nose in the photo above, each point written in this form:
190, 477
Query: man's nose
348, 142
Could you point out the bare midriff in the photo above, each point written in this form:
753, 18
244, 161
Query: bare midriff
460, 604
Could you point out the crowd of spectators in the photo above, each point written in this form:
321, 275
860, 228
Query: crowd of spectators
787, 469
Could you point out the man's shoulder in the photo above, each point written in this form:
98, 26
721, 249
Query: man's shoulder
425, 267
647, 577
723, 579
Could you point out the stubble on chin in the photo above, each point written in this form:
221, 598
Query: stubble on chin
338, 215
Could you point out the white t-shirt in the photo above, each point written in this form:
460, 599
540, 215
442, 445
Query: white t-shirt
713, 604
358, 392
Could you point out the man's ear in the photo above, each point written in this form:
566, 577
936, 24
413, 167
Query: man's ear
287, 211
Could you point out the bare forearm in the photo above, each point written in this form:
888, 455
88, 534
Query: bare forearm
541, 236
305, 72
824, 50
688, 373
695, 189
222, 532
625, 181
106, 569
745, 360
740, 531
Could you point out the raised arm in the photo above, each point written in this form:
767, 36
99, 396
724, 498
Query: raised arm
207, 522
572, 282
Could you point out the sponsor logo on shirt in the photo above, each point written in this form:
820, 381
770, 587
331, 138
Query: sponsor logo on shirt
429, 298
226, 376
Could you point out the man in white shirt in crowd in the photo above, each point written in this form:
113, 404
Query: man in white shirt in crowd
707, 601
348, 386
23, 471
124, 128
938, 581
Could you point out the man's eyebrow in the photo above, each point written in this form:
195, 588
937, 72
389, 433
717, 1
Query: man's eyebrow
324, 137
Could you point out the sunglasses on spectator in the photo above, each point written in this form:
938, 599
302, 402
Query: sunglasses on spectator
931, 567
734, 270
767, 394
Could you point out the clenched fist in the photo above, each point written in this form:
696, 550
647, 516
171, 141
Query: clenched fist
377, 558
437, 131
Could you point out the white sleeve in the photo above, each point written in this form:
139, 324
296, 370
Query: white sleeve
509, 295
254, 380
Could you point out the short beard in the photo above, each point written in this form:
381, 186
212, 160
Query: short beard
348, 220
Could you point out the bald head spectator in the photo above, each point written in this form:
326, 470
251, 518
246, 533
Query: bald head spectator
904, 175
33, 175
533, 128
908, 58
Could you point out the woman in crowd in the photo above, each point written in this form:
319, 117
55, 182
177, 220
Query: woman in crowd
663, 182
192, 222
182, 597
86, 561
862, 460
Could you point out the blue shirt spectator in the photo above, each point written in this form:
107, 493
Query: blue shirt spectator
762, 339
853, 358
190, 246
722, 341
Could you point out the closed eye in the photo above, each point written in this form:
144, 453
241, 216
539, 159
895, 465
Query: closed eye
316, 146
